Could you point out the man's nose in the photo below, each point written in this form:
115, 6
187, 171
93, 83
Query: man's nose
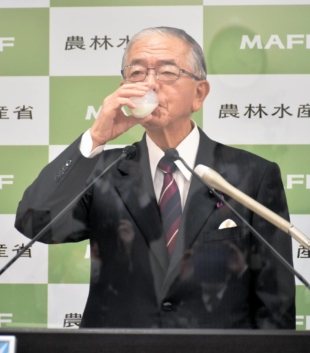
151, 78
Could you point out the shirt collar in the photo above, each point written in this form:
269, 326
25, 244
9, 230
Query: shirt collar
187, 149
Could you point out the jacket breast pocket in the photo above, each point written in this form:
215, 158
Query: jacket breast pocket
226, 234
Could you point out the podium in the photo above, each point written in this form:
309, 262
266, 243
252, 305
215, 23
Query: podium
159, 341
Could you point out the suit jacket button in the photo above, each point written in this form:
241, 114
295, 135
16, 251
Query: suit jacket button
167, 306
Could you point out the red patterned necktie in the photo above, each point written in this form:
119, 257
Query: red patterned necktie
169, 203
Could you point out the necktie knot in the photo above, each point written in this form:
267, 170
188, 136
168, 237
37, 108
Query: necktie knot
166, 166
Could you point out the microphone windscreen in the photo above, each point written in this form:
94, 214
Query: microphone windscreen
130, 151
172, 154
210, 176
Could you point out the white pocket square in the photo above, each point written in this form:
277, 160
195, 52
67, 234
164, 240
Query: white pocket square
227, 224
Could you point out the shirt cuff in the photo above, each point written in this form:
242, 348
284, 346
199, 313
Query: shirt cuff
87, 144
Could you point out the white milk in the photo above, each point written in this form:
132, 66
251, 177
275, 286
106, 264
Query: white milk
144, 105
141, 111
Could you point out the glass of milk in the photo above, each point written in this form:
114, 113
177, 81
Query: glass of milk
144, 105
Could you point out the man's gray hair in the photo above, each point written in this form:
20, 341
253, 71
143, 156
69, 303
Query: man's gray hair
197, 59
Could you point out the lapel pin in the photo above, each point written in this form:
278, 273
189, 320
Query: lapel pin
220, 204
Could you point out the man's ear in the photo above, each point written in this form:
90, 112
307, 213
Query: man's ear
202, 90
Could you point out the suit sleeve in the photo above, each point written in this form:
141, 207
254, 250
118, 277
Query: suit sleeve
273, 284
57, 184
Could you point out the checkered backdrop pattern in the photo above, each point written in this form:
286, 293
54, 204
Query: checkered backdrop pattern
60, 58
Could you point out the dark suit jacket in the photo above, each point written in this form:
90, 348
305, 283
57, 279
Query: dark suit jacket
215, 278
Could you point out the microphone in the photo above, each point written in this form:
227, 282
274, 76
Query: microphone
211, 184
172, 154
219, 183
128, 152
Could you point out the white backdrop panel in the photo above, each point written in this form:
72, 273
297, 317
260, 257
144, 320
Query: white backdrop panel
115, 23
32, 94
32, 269
269, 91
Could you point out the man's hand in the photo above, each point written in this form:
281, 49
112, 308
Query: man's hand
111, 121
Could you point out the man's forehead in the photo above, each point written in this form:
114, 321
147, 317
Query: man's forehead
162, 48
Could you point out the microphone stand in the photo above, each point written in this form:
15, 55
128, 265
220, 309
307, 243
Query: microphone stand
128, 153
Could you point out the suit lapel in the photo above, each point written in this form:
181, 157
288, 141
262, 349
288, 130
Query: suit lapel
135, 186
200, 202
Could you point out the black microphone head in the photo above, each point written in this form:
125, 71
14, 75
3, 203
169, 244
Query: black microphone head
172, 154
130, 151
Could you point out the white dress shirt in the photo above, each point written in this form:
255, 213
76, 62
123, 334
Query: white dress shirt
187, 149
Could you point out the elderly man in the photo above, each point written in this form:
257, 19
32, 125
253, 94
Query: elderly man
162, 256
